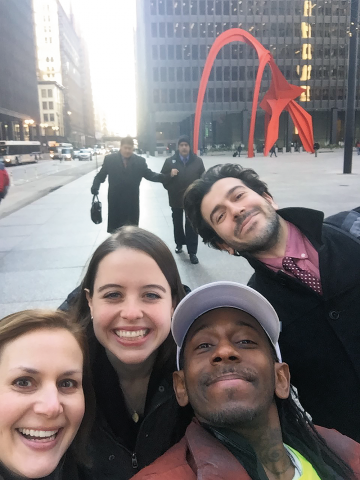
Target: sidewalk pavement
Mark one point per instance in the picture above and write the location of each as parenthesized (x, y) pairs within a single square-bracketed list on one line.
[(45, 246)]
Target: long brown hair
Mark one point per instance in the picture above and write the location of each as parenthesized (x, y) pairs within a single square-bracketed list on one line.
[(138, 239), (26, 321)]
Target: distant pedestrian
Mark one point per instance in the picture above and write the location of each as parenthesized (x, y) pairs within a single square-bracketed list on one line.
[(239, 149), (125, 171), (184, 167), (4, 181), (273, 151), (358, 147)]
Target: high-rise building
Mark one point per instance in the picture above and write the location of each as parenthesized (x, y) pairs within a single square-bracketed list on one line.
[(66, 107), (19, 104), (308, 40)]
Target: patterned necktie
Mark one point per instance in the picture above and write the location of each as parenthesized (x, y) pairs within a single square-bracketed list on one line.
[(306, 277)]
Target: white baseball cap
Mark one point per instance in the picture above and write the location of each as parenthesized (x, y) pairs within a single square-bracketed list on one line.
[(224, 294)]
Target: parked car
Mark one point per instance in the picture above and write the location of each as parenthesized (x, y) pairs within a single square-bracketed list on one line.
[(76, 153), (115, 150), (85, 154)]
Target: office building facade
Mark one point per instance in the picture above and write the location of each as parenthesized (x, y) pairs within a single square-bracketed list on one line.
[(308, 40), (19, 104)]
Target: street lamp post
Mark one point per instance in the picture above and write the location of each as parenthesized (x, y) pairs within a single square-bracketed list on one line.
[(351, 88)]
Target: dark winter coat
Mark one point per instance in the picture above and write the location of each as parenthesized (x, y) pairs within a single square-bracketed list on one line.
[(124, 183), (320, 334), (200, 455), (188, 173), (118, 452)]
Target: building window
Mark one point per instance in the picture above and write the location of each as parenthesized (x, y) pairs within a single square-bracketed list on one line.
[(194, 30), (226, 74), (154, 30), (186, 29), (186, 7), (241, 94), (154, 52), (187, 95), (187, 74), (193, 7), (179, 74), (219, 72), (194, 52), (178, 52), (155, 74), (171, 74), (170, 30), (202, 52), (43, 93), (177, 7), (195, 94), (44, 105), (162, 52), (171, 52), (210, 95), (50, 93), (226, 94), (210, 7), (186, 52), (170, 7), (210, 29), (162, 30), (52, 117), (202, 27), (156, 95), (177, 29), (172, 95), (163, 95), (219, 95), (179, 95), (161, 7), (195, 74), (46, 117), (202, 8), (234, 94), (163, 74), (51, 105), (153, 7)]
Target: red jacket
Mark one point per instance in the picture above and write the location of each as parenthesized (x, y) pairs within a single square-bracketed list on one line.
[(200, 455), (4, 179)]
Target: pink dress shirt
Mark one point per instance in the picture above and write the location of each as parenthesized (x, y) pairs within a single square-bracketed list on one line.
[(300, 249)]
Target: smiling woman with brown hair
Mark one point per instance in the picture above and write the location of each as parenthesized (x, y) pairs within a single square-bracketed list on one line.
[(44, 388)]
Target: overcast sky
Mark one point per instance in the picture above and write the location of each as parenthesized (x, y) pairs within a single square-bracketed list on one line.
[(108, 27)]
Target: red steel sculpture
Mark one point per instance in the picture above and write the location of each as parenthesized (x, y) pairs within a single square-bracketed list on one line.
[(279, 97)]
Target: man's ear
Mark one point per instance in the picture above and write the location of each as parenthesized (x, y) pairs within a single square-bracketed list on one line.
[(282, 380), (180, 388), (226, 247), (270, 200), (89, 300)]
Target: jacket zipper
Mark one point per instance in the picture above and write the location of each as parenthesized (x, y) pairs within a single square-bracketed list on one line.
[(134, 461)]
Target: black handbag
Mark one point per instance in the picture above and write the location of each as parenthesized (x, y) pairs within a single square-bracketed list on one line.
[(95, 211)]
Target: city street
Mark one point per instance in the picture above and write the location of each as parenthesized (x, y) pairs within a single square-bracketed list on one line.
[(34, 180), (45, 245)]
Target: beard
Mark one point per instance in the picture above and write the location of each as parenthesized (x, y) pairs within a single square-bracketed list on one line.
[(265, 240)]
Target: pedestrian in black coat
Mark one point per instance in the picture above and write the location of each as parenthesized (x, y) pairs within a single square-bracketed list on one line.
[(183, 168), (125, 171)]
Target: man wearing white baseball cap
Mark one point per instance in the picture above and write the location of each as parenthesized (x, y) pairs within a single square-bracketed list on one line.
[(247, 424)]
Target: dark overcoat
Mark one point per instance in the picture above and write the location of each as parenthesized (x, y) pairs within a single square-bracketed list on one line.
[(188, 173), (124, 184), (320, 334)]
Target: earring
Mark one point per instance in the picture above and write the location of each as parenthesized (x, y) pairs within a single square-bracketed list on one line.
[(92, 318)]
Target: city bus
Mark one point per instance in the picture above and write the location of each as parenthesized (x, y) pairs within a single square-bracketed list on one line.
[(61, 151), (15, 152)]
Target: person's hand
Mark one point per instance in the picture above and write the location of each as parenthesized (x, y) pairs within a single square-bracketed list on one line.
[(174, 172), (94, 191)]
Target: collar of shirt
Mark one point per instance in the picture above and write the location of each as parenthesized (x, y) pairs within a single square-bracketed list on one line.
[(184, 159), (299, 248)]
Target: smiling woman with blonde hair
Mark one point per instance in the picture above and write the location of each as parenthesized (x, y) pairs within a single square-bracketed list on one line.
[(44, 388)]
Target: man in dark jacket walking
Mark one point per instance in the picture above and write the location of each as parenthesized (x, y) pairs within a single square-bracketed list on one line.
[(125, 171), (183, 167), (309, 271)]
